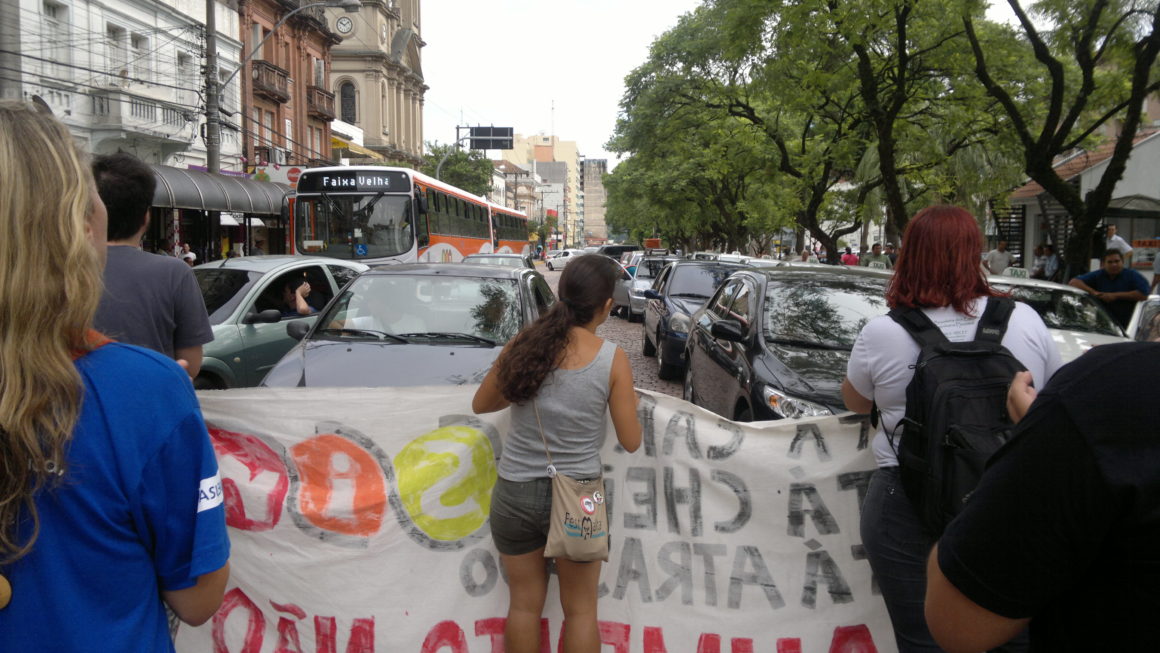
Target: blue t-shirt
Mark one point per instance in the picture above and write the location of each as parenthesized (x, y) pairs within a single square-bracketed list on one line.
[(139, 511), (1127, 280)]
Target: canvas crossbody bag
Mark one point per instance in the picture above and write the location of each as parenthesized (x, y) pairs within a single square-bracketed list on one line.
[(579, 521)]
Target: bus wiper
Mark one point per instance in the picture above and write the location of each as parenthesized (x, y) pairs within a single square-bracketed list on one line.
[(333, 205), (381, 335), (433, 335), (808, 344)]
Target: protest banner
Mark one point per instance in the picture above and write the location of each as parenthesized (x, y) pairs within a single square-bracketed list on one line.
[(359, 522)]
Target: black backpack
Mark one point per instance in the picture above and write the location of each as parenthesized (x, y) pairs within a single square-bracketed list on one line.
[(956, 411)]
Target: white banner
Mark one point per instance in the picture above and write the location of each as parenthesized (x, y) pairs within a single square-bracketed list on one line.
[(359, 523)]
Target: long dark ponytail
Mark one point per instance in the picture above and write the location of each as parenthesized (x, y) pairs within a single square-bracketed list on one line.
[(585, 286)]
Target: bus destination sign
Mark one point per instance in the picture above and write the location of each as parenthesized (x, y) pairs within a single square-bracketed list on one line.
[(354, 181)]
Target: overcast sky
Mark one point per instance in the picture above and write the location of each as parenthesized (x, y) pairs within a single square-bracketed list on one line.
[(506, 62)]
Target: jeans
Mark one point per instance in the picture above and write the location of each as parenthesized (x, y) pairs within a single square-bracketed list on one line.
[(897, 547)]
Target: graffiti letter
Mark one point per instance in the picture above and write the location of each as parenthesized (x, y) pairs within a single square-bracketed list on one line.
[(721, 453), (852, 639), (654, 640), (863, 422), (709, 643), (632, 568), (362, 636), (823, 520), (749, 556), (646, 408), (690, 495), (325, 634), (741, 645), (614, 634), (680, 573), (789, 645), (248, 461), (819, 564), (744, 501), (467, 575), (342, 489), (803, 430), (445, 634), (682, 425), (707, 552), (648, 498), (493, 629), (255, 623)]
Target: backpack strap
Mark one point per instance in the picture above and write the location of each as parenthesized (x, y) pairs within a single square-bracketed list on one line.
[(918, 325), (993, 323)]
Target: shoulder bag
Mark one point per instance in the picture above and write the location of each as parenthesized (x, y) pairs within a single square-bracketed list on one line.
[(579, 521)]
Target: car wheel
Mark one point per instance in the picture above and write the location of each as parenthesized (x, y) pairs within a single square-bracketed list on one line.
[(665, 371), (206, 382), (646, 347), (687, 392), (550, 268), (743, 414)]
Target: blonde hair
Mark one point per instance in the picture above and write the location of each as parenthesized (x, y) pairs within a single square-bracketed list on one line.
[(50, 283)]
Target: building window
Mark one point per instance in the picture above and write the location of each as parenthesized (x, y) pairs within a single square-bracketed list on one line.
[(140, 62), (319, 66), (257, 133), (56, 35), (116, 44), (347, 102)]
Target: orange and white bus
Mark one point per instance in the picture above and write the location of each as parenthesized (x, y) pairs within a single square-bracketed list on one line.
[(376, 214)]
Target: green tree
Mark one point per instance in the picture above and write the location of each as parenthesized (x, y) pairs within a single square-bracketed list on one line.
[(1098, 67), (466, 169)]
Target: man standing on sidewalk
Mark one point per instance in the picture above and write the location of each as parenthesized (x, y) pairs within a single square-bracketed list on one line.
[(149, 300)]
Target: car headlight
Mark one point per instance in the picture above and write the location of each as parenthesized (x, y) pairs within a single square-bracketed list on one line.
[(679, 323), (792, 407)]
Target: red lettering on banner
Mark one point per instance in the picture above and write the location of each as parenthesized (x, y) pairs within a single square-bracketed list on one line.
[(614, 634), (256, 623), (709, 643), (852, 639), (288, 640), (789, 645), (741, 645), (654, 640), (492, 628), (362, 636), (326, 634), (257, 458), (315, 460), (445, 634)]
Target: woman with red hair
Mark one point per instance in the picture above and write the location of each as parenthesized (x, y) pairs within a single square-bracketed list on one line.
[(939, 273)]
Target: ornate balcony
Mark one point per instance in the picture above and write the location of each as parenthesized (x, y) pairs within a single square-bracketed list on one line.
[(270, 81), (319, 103)]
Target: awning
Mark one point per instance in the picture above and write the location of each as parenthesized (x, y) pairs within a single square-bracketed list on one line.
[(193, 189), (356, 149)]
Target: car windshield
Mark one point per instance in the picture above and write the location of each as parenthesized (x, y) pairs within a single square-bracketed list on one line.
[(426, 308), (822, 310), (223, 289), (698, 280), (1063, 309), (354, 226), (1148, 328), (650, 268)]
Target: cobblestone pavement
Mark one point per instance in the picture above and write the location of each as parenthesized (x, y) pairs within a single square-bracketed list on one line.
[(628, 336)]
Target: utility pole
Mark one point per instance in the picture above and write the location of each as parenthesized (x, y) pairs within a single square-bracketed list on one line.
[(213, 138)]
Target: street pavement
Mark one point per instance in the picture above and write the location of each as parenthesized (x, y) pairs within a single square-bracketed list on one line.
[(628, 336)]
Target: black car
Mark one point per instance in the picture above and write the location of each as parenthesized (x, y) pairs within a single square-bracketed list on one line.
[(414, 324), (681, 288), (774, 342)]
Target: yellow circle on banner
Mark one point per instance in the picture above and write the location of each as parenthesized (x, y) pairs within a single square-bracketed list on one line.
[(445, 481), (5, 592)]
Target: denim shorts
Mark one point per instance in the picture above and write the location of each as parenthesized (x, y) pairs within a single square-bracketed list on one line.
[(520, 515)]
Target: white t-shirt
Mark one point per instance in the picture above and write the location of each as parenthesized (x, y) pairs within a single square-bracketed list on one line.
[(998, 261), (1119, 243), (882, 360)]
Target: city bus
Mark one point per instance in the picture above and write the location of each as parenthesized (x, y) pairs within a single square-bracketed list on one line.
[(376, 214)]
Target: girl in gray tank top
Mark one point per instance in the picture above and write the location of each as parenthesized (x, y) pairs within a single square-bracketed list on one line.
[(576, 380)]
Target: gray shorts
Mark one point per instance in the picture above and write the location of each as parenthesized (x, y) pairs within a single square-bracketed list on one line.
[(520, 512)]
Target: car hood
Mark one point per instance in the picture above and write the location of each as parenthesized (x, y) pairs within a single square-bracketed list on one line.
[(1072, 344), (329, 363), (811, 374)]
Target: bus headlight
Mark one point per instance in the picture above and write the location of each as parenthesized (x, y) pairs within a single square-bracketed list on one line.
[(792, 407)]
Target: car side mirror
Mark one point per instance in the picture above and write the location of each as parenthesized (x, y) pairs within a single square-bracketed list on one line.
[(649, 293), (297, 329), (268, 316), (728, 330)]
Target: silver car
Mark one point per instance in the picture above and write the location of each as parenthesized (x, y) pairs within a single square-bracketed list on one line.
[(645, 273)]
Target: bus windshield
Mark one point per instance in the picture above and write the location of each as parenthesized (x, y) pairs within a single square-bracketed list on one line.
[(372, 225)]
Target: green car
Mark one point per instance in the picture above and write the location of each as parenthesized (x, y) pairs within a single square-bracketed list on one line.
[(245, 301)]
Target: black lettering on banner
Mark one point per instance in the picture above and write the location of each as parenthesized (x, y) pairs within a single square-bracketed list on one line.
[(721, 453), (750, 557), (863, 422), (803, 430), (707, 553), (609, 494), (820, 566), (744, 501), (484, 559), (632, 569), (648, 520), (859, 481), (682, 425), (680, 572), (690, 496), (646, 407), (823, 520)]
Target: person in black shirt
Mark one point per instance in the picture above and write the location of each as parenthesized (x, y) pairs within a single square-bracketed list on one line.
[(1064, 529)]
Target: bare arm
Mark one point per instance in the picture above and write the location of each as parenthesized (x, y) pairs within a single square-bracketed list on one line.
[(195, 605), (300, 304), (1082, 286), (854, 400), (956, 622), (1020, 396), (622, 402), (488, 397), (192, 357)]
